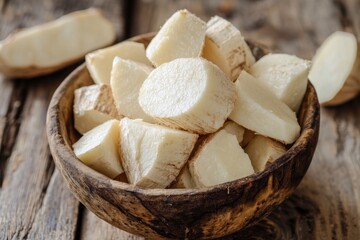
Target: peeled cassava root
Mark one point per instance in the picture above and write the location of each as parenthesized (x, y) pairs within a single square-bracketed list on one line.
[(263, 151), (54, 45), (285, 76), (226, 47), (127, 78), (93, 105), (153, 155), (98, 149), (218, 160), (335, 72), (188, 93), (99, 63), (259, 110)]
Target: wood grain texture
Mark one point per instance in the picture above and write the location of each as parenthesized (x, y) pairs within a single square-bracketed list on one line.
[(58, 215), (93, 228)]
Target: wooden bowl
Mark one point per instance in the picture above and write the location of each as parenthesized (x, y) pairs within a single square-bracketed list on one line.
[(178, 213)]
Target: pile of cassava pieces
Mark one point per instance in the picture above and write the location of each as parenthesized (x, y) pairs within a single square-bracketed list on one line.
[(192, 110)]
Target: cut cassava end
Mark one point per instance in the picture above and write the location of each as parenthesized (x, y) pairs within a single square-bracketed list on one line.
[(153, 155), (182, 36), (127, 78), (234, 129), (284, 75), (99, 63), (260, 111), (263, 150), (93, 105), (226, 47), (218, 160), (54, 45), (191, 94), (98, 149), (335, 71)]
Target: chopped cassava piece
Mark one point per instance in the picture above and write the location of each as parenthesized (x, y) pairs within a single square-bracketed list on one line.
[(219, 159), (226, 47), (153, 155), (127, 78), (93, 105), (191, 94), (285, 76), (98, 149), (48, 47), (259, 110), (182, 36), (99, 63), (263, 150), (336, 69)]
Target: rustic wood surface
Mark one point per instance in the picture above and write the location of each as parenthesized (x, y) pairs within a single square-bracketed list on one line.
[(35, 203)]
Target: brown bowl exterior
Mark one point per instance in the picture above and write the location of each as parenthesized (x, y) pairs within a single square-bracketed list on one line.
[(178, 213)]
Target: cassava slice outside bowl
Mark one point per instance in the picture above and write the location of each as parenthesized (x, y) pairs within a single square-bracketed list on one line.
[(178, 213)]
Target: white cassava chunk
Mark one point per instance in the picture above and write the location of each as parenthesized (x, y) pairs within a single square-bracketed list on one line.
[(98, 149), (234, 129), (127, 78), (184, 180), (99, 63), (226, 47), (46, 48), (153, 155), (218, 160), (263, 150), (259, 110), (182, 36), (335, 72), (285, 76), (93, 105), (188, 93)]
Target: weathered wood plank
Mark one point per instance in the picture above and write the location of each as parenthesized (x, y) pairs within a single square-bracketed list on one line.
[(94, 228), (325, 206), (58, 216), (29, 167)]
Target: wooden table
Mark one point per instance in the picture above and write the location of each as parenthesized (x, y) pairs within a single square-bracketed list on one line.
[(36, 204)]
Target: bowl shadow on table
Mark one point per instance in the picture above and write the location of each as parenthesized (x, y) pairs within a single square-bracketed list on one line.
[(293, 219), (192, 213)]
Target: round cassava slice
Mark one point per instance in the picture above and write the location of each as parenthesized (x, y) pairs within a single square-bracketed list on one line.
[(191, 94), (335, 72)]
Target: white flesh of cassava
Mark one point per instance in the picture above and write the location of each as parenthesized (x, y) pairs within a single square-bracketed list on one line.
[(153, 155), (260, 111), (98, 149), (218, 160), (99, 63), (192, 94), (182, 36)]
